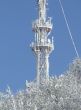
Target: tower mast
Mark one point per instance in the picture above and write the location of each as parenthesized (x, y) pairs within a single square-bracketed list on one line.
[(42, 46)]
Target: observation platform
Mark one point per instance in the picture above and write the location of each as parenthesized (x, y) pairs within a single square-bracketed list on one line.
[(40, 46), (40, 25)]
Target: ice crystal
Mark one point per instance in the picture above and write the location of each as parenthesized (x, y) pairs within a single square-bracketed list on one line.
[(61, 93)]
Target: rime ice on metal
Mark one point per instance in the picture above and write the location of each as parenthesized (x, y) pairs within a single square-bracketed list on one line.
[(42, 46)]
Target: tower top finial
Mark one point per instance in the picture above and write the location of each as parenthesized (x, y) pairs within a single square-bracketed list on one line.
[(42, 9)]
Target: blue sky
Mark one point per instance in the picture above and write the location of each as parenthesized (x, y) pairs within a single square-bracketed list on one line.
[(17, 61)]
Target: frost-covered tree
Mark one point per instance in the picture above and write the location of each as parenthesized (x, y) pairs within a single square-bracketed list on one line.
[(61, 93)]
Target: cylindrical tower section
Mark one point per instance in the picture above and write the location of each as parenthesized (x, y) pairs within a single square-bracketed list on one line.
[(42, 9), (47, 67), (38, 68)]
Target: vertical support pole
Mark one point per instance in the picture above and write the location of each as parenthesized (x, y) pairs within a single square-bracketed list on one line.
[(47, 67), (38, 67)]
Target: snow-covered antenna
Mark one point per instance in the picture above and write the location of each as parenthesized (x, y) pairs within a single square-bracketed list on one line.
[(42, 46)]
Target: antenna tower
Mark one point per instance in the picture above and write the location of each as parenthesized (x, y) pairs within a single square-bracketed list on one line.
[(42, 46)]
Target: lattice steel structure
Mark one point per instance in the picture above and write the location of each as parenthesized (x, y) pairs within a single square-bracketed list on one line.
[(42, 46)]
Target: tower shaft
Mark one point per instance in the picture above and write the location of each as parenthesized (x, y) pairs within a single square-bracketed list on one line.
[(42, 46), (42, 9)]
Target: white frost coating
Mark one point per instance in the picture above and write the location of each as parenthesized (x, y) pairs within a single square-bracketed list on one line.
[(42, 46), (61, 93)]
